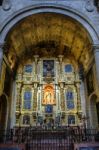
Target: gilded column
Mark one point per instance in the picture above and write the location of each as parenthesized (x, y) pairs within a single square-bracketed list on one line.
[(62, 101), (61, 83), (35, 84), (36, 65), (39, 98), (35, 96), (57, 97)]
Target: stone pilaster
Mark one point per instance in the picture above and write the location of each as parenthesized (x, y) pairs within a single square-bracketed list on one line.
[(82, 96), (1, 56), (96, 55), (35, 96)]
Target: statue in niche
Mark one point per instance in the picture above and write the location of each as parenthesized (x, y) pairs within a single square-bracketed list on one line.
[(71, 119), (48, 95), (70, 99), (69, 95), (26, 119)]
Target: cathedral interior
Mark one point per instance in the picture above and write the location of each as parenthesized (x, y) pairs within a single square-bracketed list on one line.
[(48, 73)]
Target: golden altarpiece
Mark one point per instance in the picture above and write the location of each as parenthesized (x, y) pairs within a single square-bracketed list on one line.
[(47, 89)]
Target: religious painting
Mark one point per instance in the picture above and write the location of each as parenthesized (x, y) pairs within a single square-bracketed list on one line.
[(48, 95), (27, 99), (70, 99), (68, 68), (26, 119), (89, 80), (28, 68), (48, 109), (71, 119), (48, 68), (40, 119)]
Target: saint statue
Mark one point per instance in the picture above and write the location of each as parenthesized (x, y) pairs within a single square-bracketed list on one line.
[(48, 97)]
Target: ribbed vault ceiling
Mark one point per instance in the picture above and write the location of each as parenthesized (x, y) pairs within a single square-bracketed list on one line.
[(48, 35)]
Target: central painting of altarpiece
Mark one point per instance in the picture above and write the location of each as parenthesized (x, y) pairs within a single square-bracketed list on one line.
[(48, 73), (47, 89)]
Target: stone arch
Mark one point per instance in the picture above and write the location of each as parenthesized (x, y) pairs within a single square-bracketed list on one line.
[(93, 116), (3, 111), (67, 11)]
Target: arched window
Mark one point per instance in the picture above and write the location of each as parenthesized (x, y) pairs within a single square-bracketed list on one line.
[(27, 99), (68, 68), (70, 99)]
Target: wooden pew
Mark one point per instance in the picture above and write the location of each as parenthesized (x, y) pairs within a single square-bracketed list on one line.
[(12, 147), (87, 145)]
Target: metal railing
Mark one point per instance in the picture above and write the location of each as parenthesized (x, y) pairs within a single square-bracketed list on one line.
[(41, 139)]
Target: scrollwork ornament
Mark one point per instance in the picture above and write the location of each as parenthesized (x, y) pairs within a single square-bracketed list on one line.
[(6, 5), (89, 6)]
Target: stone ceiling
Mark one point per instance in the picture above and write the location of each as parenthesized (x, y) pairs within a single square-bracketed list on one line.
[(48, 35)]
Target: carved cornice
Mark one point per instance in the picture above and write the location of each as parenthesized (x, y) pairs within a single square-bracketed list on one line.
[(60, 57)]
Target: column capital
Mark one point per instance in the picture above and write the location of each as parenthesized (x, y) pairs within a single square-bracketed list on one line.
[(36, 57), (60, 57)]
